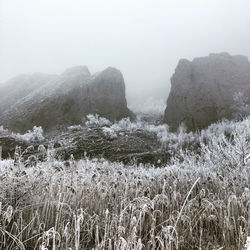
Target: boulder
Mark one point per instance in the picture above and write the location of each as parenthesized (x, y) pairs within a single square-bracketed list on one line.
[(58, 101), (203, 90)]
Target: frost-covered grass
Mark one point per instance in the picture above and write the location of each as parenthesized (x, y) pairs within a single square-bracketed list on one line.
[(91, 204), (247, 246), (198, 201)]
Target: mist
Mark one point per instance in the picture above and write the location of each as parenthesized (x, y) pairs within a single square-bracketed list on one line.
[(144, 38), (100, 151)]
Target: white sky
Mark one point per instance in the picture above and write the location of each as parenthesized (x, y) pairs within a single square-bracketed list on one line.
[(143, 38)]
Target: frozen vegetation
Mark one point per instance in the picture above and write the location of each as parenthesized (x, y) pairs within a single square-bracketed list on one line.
[(199, 200), (167, 140), (34, 135)]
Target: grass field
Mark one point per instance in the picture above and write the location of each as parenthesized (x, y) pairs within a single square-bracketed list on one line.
[(197, 201)]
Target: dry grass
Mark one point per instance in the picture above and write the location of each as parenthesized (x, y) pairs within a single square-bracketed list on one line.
[(93, 204), (199, 201)]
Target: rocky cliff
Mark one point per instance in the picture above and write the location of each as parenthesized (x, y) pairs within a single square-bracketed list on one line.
[(203, 90), (57, 101)]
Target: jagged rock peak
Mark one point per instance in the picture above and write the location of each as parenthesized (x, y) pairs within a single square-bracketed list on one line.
[(111, 75), (65, 100), (227, 56), (202, 90), (77, 71), (112, 71)]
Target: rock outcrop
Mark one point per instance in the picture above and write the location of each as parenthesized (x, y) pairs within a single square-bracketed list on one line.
[(53, 101), (203, 90)]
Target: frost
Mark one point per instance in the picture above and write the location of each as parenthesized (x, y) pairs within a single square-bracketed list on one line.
[(35, 135), (169, 140), (96, 121), (109, 132), (3, 130), (248, 243), (32, 136)]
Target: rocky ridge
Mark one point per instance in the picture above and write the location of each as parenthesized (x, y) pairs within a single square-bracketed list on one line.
[(203, 90), (58, 101)]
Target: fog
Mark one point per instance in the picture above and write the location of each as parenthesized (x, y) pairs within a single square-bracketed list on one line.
[(143, 38)]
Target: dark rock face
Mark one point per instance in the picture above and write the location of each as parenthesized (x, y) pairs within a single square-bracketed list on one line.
[(53, 101), (202, 91)]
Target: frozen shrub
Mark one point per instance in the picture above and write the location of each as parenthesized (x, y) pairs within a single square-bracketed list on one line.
[(35, 135), (241, 106), (96, 121), (126, 125), (4, 131), (216, 135), (162, 131), (109, 132), (169, 140)]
